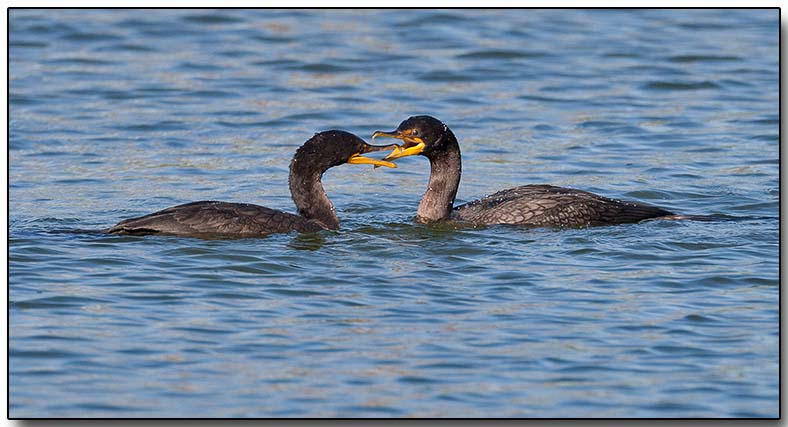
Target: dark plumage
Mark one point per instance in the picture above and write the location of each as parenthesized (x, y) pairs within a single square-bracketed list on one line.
[(224, 219), (530, 205), (551, 206)]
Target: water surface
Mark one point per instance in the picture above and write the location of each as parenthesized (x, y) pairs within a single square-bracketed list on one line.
[(119, 113)]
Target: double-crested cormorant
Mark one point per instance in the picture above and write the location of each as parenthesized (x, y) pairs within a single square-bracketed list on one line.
[(315, 212), (532, 205)]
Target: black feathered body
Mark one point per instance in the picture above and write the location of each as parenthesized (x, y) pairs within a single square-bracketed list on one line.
[(527, 205), (551, 206), (208, 218)]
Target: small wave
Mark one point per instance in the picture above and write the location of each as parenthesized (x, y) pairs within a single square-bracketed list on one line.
[(273, 39), (549, 99), (91, 37), (667, 86), (212, 19), (128, 47), (198, 66), (81, 61), (56, 302), (501, 54), (702, 58), (158, 126), (212, 94), (447, 76), (27, 44), (319, 68)]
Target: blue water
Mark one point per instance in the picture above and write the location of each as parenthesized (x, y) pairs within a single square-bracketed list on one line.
[(119, 113)]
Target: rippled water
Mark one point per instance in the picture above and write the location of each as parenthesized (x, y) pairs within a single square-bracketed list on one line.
[(119, 113)]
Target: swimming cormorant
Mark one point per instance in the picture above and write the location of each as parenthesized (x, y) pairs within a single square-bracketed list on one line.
[(532, 205), (315, 212)]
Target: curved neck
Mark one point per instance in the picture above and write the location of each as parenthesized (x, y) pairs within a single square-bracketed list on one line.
[(311, 199), (445, 171)]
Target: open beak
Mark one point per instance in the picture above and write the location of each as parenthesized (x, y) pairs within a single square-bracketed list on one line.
[(358, 159), (412, 146)]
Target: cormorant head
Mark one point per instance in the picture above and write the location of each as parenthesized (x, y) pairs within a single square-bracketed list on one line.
[(421, 135), (333, 148)]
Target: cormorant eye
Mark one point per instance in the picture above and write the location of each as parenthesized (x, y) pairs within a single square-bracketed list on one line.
[(415, 132)]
